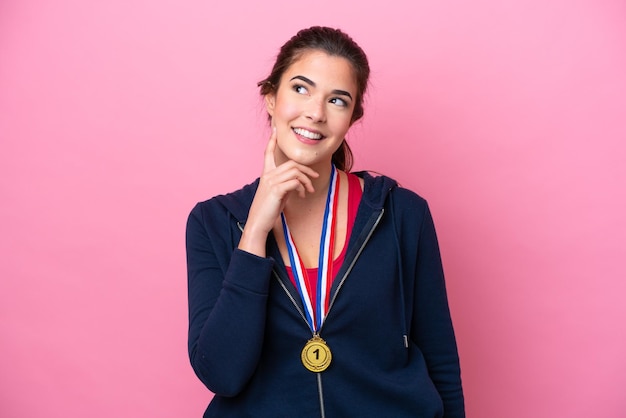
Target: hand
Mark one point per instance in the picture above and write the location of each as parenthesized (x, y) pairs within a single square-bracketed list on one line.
[(275, 186)]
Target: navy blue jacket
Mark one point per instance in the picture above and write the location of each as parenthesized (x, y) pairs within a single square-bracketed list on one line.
[(389, 327)]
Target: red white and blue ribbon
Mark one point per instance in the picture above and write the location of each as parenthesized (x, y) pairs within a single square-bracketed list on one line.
[(316, 310)]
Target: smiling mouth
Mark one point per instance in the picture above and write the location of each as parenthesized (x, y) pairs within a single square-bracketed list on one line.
[(308, 134)]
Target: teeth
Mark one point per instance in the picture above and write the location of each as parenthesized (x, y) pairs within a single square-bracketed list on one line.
[(307, 134)]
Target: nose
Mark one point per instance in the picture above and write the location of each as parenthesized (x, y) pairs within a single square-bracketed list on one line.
[(315, 110)]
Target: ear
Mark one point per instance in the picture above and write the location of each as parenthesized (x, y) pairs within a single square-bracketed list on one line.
[(270, 102)]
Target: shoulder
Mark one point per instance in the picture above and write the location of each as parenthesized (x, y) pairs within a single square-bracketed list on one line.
[(236, 203), (407, 197), (381, 190)]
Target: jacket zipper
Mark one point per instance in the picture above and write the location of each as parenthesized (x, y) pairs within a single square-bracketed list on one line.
[(349, 269), (321, 395), (280, 281)]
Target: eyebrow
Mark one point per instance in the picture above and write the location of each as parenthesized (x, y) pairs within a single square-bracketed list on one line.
[(312, 83)]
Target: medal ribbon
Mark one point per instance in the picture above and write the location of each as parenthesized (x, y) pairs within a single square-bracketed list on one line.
[(315, 317)]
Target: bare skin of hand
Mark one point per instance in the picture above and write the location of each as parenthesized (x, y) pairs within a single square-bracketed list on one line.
[(275, 186)]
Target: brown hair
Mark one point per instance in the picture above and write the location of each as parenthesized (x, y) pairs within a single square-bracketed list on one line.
[(334, 42)]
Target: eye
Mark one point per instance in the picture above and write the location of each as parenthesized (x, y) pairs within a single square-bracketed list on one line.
[(339, 102), (300, 89)]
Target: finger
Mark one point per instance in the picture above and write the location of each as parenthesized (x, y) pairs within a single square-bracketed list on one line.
[(296, 172), (270, 162), (293, 185), (301, 191), (291, 165)]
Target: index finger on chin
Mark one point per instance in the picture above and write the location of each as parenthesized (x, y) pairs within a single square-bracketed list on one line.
[(270, 163)]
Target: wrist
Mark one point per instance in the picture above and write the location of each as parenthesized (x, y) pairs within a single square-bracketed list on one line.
[(253, 240)]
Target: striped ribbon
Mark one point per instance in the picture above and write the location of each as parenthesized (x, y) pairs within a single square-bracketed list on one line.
[(315, 311)]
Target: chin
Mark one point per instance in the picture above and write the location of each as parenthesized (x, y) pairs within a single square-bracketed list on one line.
[(302, 156), (308, 160)]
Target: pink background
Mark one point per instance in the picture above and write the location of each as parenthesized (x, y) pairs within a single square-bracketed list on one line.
[(117, 116)]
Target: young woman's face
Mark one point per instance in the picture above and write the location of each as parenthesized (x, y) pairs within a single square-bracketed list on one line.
[(312, 108)]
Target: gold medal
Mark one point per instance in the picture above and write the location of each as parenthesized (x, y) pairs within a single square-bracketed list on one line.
[(316, 355)]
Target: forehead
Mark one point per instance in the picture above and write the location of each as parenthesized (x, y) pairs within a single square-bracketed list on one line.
[(326, 71)]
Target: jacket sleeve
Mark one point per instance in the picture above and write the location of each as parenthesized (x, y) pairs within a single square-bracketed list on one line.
[(227, 304), (432, 327)]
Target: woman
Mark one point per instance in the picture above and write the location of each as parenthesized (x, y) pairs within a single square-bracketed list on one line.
[(313, 291)]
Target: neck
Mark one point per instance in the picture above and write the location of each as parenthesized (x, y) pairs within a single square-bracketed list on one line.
[(322, 183)]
